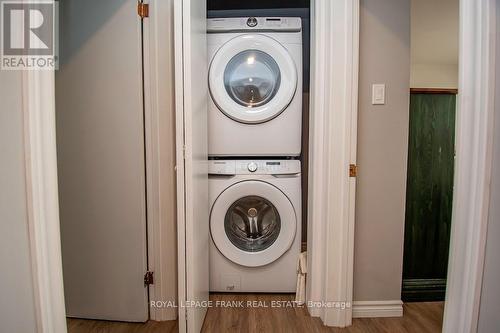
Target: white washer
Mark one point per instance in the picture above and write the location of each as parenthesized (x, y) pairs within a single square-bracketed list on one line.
[(255, 83), (254, 224)]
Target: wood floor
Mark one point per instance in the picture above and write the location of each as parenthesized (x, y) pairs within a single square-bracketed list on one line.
[(418, 317), (101, 326)]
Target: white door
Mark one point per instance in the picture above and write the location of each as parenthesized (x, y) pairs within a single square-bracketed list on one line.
[(100, 141), (192, 172)]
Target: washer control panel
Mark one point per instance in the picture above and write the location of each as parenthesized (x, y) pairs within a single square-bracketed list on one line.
[(258, 167), (237, 24)]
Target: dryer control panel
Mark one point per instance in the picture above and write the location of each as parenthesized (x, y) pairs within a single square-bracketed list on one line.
[(258, 167)]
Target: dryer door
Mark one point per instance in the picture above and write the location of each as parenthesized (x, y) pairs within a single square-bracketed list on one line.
[(253, 223), (252, 78)]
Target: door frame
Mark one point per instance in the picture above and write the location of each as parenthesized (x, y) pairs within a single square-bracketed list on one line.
[(191, 94), (473, 168), (180, 151), (42, 200), (160, 137), (474, 152), (332, 149)]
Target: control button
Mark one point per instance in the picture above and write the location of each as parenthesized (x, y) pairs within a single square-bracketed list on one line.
[(252, 167), (252, 22)]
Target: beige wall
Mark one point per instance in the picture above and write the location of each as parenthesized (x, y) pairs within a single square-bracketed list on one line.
[(434, 76), (17, 312), (434, 44), (489, 309), (382, 150)]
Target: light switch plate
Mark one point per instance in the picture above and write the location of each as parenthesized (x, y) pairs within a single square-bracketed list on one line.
[(378, 94)]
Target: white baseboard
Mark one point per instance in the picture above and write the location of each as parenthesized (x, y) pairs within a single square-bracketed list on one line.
[(373, 309)]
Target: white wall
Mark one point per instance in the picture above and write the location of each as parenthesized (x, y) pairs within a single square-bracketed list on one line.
[(434, 44), (17, 312), (489, 310), (382, 150)]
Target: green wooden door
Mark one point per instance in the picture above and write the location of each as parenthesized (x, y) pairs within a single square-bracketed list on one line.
[(428, 195)]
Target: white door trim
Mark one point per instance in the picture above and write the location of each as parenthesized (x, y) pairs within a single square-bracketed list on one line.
[(160, 156), (42, 199), (180, 165), (191, 98), (474, 129), (333, 123)]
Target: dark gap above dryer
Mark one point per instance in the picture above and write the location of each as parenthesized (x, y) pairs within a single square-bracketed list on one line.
[(255, 4)]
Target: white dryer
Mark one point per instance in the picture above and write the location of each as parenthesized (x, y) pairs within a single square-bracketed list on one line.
[(255, 84), (255, 225)]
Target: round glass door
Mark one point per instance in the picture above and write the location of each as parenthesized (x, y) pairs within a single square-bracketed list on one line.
[(252, 223), (252, 78)]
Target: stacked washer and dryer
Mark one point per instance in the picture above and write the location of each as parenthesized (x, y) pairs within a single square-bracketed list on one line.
[(255, 125)]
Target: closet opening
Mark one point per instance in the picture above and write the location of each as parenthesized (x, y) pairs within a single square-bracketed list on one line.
[(258, 56)]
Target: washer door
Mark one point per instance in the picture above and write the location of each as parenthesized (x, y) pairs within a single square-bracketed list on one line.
[(252, 78), (253, 223)]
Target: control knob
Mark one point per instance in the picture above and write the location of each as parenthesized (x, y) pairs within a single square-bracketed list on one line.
[(252, 22), (252, 166)]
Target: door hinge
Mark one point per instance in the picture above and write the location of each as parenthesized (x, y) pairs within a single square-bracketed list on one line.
[(143, 9), (353, 170), (148, 278)]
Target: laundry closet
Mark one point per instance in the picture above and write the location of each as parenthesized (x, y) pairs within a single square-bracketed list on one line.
[(130, 145), (254, 147)]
